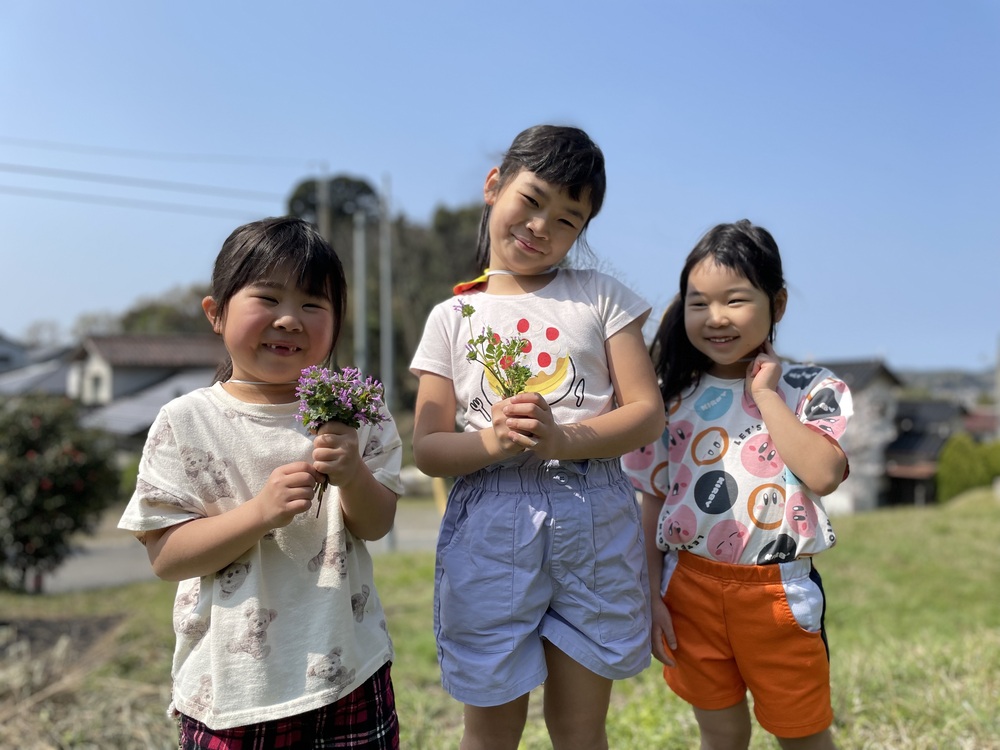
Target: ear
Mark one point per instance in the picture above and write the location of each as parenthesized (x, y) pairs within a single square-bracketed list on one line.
[(780, 303), (212, 313), (492, 187)]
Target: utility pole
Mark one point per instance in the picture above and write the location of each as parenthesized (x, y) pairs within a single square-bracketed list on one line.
[(323, 222), (360, 293), (386, 334)]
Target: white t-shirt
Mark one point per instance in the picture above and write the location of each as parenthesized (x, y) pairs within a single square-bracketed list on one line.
[(295, 623), (566, 324), (728, 496)]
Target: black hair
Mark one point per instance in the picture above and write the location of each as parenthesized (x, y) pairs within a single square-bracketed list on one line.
[(256, 250), (747, 249), (560, 155)]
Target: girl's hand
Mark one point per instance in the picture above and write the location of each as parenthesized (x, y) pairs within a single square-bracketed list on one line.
[(510, 443), (336, 454), (529, 419), (661, 637), (764, 370), (287, 492)]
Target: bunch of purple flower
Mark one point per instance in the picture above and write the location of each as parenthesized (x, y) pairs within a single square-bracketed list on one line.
[(344, 397)]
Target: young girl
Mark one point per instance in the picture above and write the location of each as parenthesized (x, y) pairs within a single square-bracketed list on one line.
[(281, 637), (540, 569), (732, 494)]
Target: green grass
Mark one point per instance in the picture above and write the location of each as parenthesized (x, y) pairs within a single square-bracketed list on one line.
[(913, 621)]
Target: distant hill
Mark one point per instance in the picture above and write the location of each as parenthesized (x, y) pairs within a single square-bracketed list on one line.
[(953, 385)]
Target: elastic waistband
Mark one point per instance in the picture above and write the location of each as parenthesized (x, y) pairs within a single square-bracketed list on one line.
[(786, 571), (544, 476)]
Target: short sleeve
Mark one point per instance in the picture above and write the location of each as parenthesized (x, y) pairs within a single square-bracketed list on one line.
[(827, 406), (383, 452)]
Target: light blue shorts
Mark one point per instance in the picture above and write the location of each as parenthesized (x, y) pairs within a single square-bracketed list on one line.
[(549, 551)]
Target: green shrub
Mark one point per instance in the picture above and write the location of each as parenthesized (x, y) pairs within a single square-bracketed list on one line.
[(56, 478)]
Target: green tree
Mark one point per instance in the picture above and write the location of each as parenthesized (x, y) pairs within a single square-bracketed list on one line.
[(962, 465), (176, 311), (56, 479)]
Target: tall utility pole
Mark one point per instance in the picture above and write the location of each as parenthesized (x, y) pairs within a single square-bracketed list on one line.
[(323, 222), (386, 364), (360, 293)]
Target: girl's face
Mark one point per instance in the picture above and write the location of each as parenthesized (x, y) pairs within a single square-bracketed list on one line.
[(533, 223), (726, 317), (273, 330)]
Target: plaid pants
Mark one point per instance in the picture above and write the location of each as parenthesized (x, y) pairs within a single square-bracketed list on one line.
[(366, 718)]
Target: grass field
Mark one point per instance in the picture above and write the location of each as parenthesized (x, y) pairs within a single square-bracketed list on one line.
[(913, 621)]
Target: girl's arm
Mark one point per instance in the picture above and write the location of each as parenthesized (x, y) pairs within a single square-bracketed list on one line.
[(369, 507), (440, 451), (662, 625), (638, 419), (818, 461), (205, 546)]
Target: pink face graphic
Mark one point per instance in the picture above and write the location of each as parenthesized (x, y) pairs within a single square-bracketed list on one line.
[(726, 540), (679, 487), (832, 426), (678, 436), (760, 458), (766, 506), (680, 526), (639, 459), (800, 513), (710, 446)]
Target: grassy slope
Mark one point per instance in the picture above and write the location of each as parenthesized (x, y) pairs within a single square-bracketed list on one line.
[(914, 626)]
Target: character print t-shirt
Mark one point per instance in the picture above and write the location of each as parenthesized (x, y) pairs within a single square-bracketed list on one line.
[(727, 494), (295, 622), (566, 325)]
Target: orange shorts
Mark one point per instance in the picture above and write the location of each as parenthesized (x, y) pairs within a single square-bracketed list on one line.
[(756, 627)]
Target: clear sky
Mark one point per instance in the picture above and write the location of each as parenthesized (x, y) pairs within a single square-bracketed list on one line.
[(865, 135)]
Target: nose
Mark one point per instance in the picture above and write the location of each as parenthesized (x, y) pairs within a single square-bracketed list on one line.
[(287, 320), (538, 224), (718, 316)]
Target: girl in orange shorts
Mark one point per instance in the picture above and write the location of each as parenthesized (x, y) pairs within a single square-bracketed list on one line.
[(732, 500)]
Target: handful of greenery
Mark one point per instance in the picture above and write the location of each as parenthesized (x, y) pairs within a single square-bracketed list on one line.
[(501, 357), (344, 397)]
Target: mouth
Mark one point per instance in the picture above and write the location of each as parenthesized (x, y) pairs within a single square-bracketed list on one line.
[(282, 348), (720, 339)]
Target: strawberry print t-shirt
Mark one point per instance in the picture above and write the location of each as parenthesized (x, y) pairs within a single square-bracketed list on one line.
[(727, 494), (566, 324)]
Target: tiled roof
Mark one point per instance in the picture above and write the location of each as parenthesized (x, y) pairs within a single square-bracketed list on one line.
[(858, 374), (147, 350), (132, 415)]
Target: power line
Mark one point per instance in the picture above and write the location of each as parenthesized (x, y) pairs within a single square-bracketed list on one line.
[(156, 155), (127, 202), (181, 187)]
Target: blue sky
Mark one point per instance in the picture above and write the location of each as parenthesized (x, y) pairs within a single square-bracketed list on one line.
[(864, 135)]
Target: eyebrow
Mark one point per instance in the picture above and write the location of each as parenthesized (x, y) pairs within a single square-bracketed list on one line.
[(542, 193)]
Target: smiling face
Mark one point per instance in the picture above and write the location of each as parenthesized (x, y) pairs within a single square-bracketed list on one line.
[(533, 223), (726, 317), (273, 330)]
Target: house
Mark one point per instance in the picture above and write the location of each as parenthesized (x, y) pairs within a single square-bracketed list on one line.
[(108, 368), (923, 427), (872, 428), (12, 354), (41, 371)]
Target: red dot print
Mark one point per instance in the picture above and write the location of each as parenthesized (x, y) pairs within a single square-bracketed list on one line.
[(544, 359), (527, 347), (551, 333), (522, 325)]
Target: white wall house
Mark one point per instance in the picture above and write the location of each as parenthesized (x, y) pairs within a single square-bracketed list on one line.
[(874, 392)]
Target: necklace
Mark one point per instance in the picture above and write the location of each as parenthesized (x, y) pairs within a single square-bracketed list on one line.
[(260, 382)]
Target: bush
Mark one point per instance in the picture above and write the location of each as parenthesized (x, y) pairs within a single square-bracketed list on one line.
[(56, 479), (965, 464)]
